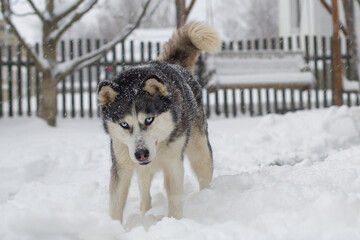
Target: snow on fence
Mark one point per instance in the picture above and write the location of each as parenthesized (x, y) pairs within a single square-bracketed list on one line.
[(20, 81)]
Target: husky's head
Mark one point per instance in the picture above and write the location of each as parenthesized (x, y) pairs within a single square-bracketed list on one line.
[(137, 113)]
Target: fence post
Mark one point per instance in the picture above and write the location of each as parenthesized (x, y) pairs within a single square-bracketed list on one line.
[(260, 112), (317, 104), (231, 46), (256, 44), (281, 43), (268, 109), (273, 43), (265, 44), (97, 46), (19, 80), (348, 69), (28, 83), (226, 108), (234, 102), (217, 108), (142, 51), (290, 43), (113, 62), (298, 43), (88, 50), (292, 94), (37, 82), (276, 106), (63, 81), (248, 45), (324, 70), (123, 54), (158, 49), (240, 45), (1, 87), (72, 81), (132, 52), (242, 101), (149, 51), (223, 46), (307, 60), (10, 84), (251, 102)]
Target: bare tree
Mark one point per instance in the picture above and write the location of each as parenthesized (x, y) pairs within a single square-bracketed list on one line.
[(54, 25), (182, 12)]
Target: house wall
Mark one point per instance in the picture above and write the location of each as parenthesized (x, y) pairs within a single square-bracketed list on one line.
[(314, 21)]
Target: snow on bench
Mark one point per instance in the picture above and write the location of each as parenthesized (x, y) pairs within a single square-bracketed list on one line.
[(259, 69), (350, 85)]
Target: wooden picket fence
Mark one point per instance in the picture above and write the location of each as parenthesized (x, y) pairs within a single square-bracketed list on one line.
[(20, 80)]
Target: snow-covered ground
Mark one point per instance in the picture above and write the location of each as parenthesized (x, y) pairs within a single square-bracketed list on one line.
[(295, 176)]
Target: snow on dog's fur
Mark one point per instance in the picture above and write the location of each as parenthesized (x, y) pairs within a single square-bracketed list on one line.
[(154, 115)]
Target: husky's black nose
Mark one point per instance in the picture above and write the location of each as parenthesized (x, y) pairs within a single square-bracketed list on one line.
[(142, 155)]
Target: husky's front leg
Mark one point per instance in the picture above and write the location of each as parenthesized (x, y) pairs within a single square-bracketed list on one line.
[(121, 175), (174, 177), (119, 188), (144, 178)]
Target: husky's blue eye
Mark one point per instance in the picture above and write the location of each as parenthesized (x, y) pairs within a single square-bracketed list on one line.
[(124, 125), (149, 120)]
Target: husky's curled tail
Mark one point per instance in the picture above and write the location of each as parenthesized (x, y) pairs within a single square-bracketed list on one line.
[(187, 42)]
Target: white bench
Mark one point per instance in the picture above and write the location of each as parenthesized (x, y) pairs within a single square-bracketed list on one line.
[(259, 69)]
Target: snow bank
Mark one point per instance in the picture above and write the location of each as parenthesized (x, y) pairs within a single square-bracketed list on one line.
[(295, 176)]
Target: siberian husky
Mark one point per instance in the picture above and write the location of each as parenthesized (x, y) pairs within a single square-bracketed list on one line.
[(154, 115)]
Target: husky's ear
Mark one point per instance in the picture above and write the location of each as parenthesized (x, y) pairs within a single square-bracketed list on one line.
[(154, 87), (106, 92)]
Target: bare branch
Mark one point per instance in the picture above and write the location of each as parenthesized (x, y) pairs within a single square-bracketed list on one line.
[(154, 9), (68, 11), (71, 66), (188, 9), (7, 17), (22, 14), (59, 32), (36, 10), (50, 7), (328, 8)]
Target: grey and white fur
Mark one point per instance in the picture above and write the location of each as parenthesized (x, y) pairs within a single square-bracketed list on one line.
[(154, 115)]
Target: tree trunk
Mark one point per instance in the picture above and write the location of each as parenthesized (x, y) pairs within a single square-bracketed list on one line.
[(349, 17), (337, 65), (180, 8), (48, 107), (182, 12)]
